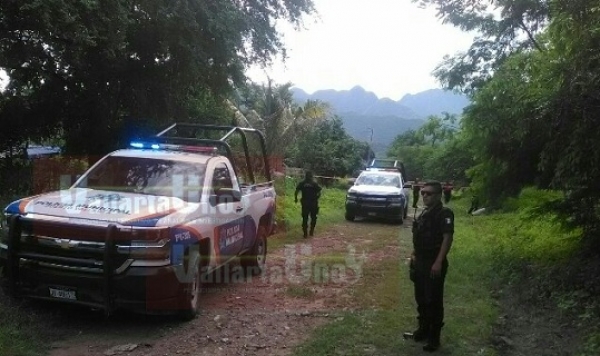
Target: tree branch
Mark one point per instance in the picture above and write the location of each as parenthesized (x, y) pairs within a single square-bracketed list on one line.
[(530, 36)]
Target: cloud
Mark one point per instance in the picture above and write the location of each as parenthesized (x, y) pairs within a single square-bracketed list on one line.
[(389, 47)]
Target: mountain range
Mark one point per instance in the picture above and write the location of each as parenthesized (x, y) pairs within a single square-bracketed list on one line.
[(377, 120)]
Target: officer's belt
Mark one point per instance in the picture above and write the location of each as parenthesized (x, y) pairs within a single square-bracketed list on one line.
[(427, 252)]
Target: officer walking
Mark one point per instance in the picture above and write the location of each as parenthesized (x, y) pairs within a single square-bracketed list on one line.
[(433, 233), (311, 192), (416, 188)]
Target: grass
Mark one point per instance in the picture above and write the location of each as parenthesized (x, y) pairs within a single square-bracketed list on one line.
[(387, 307), (487, 254), (289, 217), (299, 291), (20, 330), (488, 251), (22, 333)]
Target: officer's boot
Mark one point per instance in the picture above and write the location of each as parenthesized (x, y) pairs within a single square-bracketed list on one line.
[(433, 341), (312, 228), (422, 333), (304, 230)]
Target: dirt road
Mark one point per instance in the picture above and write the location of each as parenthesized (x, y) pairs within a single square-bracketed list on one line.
[(305, 284)]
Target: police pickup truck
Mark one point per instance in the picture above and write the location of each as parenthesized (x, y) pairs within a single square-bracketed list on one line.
[(378, 193), (144, 225)]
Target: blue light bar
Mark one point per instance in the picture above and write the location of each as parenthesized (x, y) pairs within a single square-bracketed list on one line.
[(154, 146)]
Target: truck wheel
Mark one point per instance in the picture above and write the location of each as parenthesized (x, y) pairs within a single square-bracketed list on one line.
[(193, 288), (349, 216), (253, 262), (402, 216)]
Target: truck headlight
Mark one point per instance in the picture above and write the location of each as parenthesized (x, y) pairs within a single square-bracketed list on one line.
[(152, 244), (395, 201), (351, 197)]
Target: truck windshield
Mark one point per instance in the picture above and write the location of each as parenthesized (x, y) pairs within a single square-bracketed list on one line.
[(379, 179), (147, 176)]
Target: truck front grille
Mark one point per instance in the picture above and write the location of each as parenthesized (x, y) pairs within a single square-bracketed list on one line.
[(375, 201), (68, 247)]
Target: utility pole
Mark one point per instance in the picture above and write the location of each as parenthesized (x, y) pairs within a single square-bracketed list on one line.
[(370, 146)]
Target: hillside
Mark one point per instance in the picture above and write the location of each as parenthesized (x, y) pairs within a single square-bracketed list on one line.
[(435, 102), (362, 111), (385, 128), (358, 101)]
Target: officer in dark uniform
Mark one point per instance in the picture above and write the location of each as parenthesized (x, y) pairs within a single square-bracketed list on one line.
[(433, 232), (311, 192), (416, 188)]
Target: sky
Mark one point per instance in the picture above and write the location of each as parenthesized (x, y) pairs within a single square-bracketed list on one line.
[(388, 47)]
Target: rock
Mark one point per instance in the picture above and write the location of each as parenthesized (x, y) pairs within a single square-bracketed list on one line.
[(506, 341), (257, 347), (119, 349)]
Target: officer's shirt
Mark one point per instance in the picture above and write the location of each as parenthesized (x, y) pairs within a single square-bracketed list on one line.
[(310, 191), (430, 227)]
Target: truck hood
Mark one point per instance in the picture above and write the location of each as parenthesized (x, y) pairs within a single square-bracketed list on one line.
[(99, 205), (375, 190)]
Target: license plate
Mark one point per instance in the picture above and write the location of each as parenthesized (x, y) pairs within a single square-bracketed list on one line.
[(372, 214), (63, 293)]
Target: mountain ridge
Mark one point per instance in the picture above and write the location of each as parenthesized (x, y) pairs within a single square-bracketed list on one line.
[(364, 113)]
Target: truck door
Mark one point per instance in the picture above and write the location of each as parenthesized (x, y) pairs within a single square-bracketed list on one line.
[(229, 218)]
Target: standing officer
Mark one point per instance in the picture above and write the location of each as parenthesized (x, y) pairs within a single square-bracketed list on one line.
[(432, 238), (447, 192), (311, 192), (416, 188)]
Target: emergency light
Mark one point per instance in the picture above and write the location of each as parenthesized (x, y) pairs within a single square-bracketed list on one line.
[(168, 146), (377, 169)]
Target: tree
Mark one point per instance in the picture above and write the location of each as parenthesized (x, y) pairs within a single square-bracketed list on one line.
[(507, 126), (83, 66), (504, 27), (273, 110), (328, 150), (424, 149)]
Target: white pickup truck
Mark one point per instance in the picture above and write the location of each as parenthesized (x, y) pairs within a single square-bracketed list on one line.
[(143, 226), (378, 193)]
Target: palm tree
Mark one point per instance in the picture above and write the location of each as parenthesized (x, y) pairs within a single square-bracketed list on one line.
[(272, 110)]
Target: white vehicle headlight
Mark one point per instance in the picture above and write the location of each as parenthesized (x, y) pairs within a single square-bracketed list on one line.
[(147, 250), (155, 246), (395, 200)]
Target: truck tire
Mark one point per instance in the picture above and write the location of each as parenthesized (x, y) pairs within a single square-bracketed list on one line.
[(400, 220), (253, 262), (193, 288), (349, 216)]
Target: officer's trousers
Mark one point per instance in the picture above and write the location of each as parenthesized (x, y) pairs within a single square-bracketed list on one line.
[(415, 199), (429, 292), (309, 209)]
